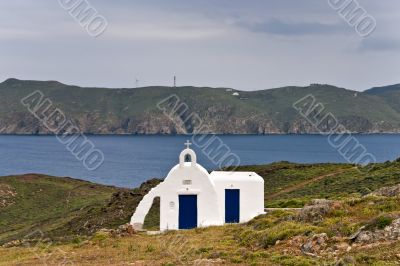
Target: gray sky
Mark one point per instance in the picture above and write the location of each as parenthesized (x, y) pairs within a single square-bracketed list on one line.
[(247, 44)]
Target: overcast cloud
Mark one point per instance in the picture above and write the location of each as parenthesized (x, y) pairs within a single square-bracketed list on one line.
[(247, 44)]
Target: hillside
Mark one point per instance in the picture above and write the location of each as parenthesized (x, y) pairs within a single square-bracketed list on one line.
[(62, 208), (134, 111), (81, 220), (390, 94)]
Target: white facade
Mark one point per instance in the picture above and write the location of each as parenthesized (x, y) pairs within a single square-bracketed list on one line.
[(251, 187), (202, 196)]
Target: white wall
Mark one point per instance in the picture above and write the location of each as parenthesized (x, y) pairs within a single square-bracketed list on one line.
[(251, 194), (172, 187)]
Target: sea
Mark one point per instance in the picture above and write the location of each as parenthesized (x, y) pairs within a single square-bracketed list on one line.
[(130, 160)]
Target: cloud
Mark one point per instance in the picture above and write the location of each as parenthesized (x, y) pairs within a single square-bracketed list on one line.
[(379, 44), (148, 33), (224, 43), (280, 27), (12, 34)]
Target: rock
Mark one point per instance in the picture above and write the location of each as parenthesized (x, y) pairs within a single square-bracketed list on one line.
[(208, 261), (126, 228), (13, 243), (296, 241), (321, 238), (315, 245), (316, 210), (390, 232), (356, 234), (342, 246), (308, 247), (387, 191), (365, 237), (7, 195), (107, 231)]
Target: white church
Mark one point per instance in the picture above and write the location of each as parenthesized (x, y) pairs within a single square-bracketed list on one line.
[(190, 197)]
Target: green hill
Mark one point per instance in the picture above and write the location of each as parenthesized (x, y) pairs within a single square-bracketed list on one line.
[(64, 207), (134, 111), (73, 221), (389, 94)]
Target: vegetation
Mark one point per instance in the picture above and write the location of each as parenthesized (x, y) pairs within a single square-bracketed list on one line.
[(390, 94), (272, 239), (69, 214), (294, 185), (63, 208), (134, 111)]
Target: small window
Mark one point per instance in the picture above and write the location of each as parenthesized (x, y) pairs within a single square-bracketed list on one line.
[(188, 158), (187, 182)]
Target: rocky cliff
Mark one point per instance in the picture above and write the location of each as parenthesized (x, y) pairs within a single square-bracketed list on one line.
[(183, 110)]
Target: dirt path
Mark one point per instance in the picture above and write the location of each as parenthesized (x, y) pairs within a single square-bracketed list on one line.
[(305, 183)]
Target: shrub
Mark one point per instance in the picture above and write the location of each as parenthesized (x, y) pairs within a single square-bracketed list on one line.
[(100, 236), (364, 191), (379, 222), (77, 240), (278, 230), (383, 221), (285, 231)]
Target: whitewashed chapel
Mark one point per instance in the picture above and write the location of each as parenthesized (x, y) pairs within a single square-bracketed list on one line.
[(190, 197)]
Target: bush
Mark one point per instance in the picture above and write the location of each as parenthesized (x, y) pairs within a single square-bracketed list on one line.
[(379, 222), (364, 191), (284, 231), (100, 236), (383, 221), (269, 236)]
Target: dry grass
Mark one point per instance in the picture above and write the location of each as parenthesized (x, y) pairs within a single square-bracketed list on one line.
[(273, 239), (267, 240)]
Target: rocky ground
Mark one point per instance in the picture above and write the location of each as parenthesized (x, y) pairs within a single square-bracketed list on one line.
[(353, 231), (7, 195), (346, 216)]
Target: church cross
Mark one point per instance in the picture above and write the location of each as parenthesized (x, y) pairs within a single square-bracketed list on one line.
[(188, 144)]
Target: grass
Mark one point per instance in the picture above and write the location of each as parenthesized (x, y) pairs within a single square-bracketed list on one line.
[(339, 181), (69, 214), (64, 207), (254, 243), (46, 203)]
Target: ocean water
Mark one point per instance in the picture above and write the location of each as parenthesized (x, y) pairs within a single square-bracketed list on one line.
[(130, 160)]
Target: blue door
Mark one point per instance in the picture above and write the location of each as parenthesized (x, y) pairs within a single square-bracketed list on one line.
[(232, 205), (187, 211)]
